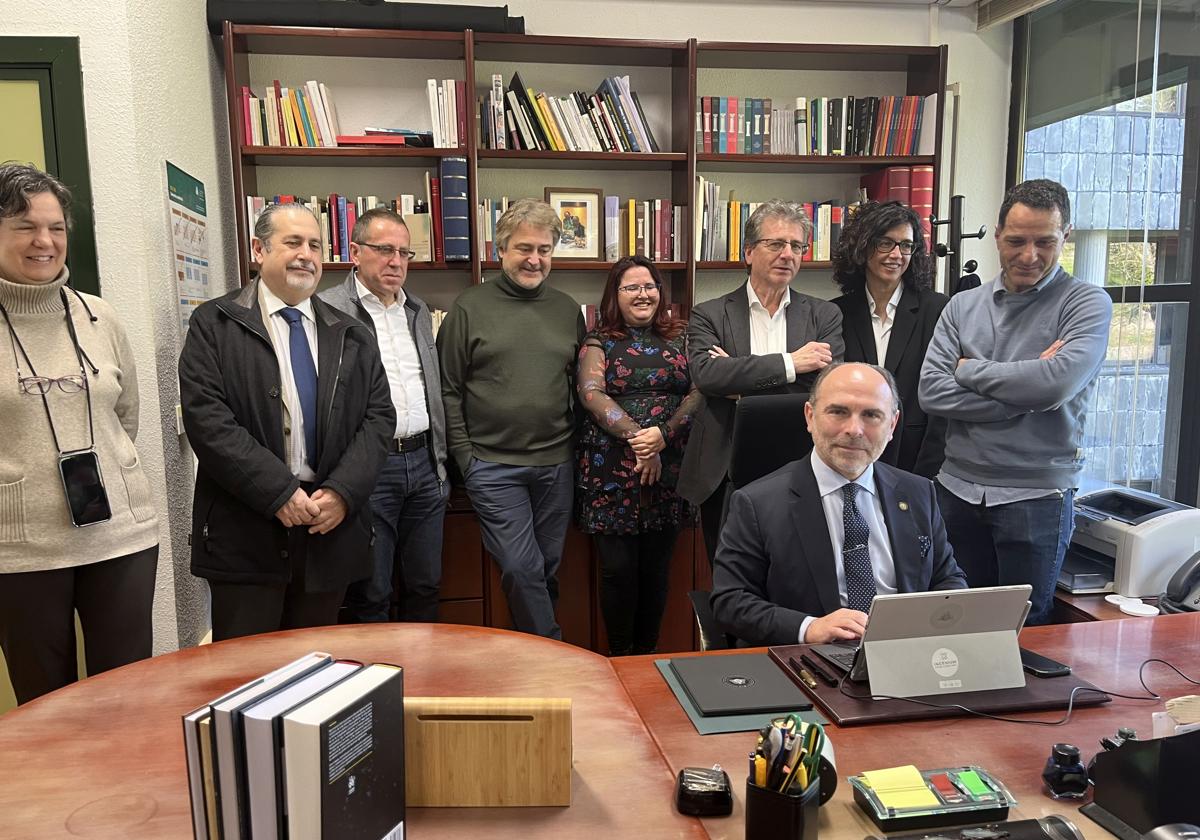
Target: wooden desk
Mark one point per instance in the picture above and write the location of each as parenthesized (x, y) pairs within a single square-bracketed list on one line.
[(1069, 608), (1107, 653), (104, 757)]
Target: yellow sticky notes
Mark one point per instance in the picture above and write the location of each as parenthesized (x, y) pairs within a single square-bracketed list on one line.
[(901, 787)]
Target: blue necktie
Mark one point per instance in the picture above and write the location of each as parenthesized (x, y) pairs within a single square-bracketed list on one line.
[(856, 554), (304, 374)]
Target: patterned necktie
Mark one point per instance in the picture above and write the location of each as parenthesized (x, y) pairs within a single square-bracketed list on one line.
[(304, 374), (856, 554)]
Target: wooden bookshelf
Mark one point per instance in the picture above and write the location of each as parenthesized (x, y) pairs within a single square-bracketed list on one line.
[(589, 265), (910, 69), (345, 155)]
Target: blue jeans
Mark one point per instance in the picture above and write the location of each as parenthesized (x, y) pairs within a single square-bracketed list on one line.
[(408, 506), (523, 514), (1020, 542)]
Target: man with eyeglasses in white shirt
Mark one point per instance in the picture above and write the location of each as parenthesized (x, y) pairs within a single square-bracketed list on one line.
[(409, 502), (761, 338)]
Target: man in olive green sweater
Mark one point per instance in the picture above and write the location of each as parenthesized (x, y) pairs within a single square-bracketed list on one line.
[(508, 350)]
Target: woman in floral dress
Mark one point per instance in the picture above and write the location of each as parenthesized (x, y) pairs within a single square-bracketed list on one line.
[(633, 380)]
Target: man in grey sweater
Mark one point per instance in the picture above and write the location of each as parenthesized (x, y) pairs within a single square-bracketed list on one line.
[(1012, 366), (508, 350)]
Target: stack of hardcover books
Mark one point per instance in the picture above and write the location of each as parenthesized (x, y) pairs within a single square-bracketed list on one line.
[(311, 751)]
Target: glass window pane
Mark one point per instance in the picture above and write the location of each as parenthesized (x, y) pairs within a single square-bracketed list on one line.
[(1129, 429)]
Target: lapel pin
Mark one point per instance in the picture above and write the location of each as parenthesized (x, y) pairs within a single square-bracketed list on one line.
[(904, 506)]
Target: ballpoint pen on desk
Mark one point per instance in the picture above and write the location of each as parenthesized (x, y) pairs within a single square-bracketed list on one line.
[(805, 677)]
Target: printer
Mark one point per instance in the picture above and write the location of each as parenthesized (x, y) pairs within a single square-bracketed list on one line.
[(1127, 541)]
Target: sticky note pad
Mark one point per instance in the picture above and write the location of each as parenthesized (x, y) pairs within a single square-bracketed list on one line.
[(974, 785), (901, 787)]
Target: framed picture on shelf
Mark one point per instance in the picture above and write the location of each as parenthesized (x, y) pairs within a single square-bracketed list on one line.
[(581, 212)]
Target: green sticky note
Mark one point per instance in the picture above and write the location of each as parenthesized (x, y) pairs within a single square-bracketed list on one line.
[(975, 785)]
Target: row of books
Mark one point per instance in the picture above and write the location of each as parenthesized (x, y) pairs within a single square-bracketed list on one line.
[(847, 125), (911, 185), (311, 751), (609, 120), (296, 116), (646, 227), (447, 112), (720, 225), (438, 225)]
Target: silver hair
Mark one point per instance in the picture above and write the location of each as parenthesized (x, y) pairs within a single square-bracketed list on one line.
[(527, 211), (264, 227), (787, 211)]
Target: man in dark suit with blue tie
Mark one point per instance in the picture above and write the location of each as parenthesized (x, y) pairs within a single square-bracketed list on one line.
[(287, 407), (806, 549)]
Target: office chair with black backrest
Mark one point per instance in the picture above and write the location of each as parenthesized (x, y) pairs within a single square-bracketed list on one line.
[(768, 432)]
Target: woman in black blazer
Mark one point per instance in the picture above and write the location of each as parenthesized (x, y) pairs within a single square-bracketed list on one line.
[(883, 267)]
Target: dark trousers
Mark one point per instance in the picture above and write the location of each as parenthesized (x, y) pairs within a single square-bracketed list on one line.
[(523, 514), (408, 506), (634, 571), (1021, 542), (246, 609), (37, 624), (712, 518)]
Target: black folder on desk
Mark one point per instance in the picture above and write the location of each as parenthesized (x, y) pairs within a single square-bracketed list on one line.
[(740, 683), (1037, 695)]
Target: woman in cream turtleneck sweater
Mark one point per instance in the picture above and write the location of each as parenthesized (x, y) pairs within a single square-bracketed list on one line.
[(55, 340)]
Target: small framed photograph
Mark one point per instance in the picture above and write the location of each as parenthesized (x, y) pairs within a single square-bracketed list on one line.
[(581, 212)]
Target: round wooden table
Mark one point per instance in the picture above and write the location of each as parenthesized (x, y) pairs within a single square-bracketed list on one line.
[(104, 757)]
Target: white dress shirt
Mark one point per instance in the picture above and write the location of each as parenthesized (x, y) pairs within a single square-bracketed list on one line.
[(829, 483), (400, 360), (293, 414), (768, 333), (882, 327)]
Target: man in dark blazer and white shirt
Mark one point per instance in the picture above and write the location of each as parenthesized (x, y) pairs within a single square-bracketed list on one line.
[(805, 549), (761, 338)]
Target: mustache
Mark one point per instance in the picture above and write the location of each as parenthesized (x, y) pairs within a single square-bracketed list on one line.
[(305, 265)]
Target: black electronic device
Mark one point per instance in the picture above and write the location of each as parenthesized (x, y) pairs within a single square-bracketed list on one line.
[(1183, 590), (87, 500), (704, 792), (1042, 666)]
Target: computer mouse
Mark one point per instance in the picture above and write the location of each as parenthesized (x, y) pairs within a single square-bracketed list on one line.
[(1173, 831)]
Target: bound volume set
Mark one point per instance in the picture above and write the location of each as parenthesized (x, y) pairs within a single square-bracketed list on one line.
[(311, 751), (844, 125), (439, 225)]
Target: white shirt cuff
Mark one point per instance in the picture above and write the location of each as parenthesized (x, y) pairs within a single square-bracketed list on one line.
[(789, 367), (804, 627)]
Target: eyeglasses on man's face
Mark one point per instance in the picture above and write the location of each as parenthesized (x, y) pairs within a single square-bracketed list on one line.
[(884, 245), (389, 251), (637, 289), (776, 246), (72, 384)]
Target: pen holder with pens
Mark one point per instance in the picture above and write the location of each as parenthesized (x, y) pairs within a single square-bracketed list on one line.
[(783, 816)]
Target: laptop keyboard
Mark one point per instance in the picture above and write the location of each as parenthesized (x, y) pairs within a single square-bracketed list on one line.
[(844, 660)]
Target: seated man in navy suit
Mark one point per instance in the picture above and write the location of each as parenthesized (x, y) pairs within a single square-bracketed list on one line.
[(806, 548)]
